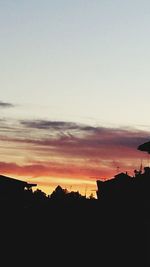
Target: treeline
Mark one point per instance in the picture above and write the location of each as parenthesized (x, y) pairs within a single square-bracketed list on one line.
[(59, 194)]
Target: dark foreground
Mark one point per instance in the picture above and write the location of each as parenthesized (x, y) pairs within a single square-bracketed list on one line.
[(76, 233)]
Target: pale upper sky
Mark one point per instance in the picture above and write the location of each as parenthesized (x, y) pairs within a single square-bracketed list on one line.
[(76, 60)]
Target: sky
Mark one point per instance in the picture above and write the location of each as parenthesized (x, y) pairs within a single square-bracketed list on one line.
[(74, 83)]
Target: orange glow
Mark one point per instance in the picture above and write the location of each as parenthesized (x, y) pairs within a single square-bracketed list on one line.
[(73, 156)]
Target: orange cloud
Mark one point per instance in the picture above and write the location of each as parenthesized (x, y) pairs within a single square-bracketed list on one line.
[(62, 149), (53, 169)]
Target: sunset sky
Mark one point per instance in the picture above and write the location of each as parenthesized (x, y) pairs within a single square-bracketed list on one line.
[(75, 90)]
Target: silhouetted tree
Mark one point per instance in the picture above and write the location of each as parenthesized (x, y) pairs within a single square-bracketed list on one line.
[(40, 195), (74, 195), (59, 193), (91, 196)]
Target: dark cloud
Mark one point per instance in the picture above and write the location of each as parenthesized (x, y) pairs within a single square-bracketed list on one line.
[(6, 105), (74, 142), (56, 125), (94, 142), (59, 126), (94, 135)]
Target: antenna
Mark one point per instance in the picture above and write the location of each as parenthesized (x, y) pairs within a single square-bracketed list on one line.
[(85, 190), (118, 169), (141, 167), (70, 187)]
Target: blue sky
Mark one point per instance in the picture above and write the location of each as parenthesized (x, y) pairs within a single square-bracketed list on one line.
[(77, 60)]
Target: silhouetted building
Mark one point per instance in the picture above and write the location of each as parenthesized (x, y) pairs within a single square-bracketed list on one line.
[(10, 186), (127, 188), (116, 187)]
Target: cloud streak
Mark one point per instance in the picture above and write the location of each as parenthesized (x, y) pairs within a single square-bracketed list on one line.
[(49, 169), (53, 125), (64, 170), (67, 149), (6, 105), (75, 139)]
